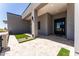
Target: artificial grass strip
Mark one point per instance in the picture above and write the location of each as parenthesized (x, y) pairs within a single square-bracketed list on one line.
[(63, 52), (23, 38), (20, 36)]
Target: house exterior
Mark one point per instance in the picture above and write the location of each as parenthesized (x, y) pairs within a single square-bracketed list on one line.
[(44, 19), (76, 31)]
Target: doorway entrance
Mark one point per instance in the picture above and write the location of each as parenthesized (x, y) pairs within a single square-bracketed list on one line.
[(59, 26)]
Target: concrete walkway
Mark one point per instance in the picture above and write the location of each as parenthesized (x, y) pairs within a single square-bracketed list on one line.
[(36, 47)]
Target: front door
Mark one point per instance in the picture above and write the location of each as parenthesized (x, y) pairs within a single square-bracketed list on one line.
[(59, 26)]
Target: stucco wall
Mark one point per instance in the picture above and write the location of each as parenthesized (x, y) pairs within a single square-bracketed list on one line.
[(77, 27), (43, 24), (5, 38), (16, 24), (70, 21), (47, 22), (28, 26)]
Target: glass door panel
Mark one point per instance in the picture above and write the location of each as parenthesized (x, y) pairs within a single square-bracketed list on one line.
[(59, 26)]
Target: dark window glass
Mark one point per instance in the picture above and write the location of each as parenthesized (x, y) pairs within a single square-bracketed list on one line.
[(38, 25), (59, 26)]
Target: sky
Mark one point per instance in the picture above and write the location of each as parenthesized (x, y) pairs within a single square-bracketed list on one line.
[(16, 8)]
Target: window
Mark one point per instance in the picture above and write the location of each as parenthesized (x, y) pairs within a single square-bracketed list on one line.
[(59, 26), (39, 25)]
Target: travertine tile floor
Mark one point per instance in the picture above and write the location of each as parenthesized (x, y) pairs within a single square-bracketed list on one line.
[(41, 46)]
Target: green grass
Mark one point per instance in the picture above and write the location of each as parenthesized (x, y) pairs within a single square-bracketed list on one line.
[(2, 30), (23, 38), (19, 36), (63, 52)]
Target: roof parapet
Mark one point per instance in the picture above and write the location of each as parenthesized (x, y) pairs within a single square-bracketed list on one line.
[(13, 14), (26, 8)]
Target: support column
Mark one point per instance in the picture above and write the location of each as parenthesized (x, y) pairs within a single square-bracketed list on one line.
[(70, 21), (76, 27), (34, 23)]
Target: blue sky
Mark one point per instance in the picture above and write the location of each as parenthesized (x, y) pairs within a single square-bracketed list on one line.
[(16, 8)]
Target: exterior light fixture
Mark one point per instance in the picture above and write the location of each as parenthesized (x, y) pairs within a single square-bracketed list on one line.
[(32, 17)]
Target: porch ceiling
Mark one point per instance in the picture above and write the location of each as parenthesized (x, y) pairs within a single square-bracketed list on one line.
[(51, 8)]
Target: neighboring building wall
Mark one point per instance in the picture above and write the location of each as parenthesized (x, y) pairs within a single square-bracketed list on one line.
[(57, 16), (70, 21), (16, 24)]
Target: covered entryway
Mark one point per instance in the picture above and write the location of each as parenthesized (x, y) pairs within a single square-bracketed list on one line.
[(57, 19), (44, 19)]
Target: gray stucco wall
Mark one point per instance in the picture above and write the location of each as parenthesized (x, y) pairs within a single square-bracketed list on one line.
[(70, 21), (43, 24), (47, 22), (16, 24), (76, 27)]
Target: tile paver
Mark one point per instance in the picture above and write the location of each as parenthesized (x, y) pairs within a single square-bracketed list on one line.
[(36, 47)]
